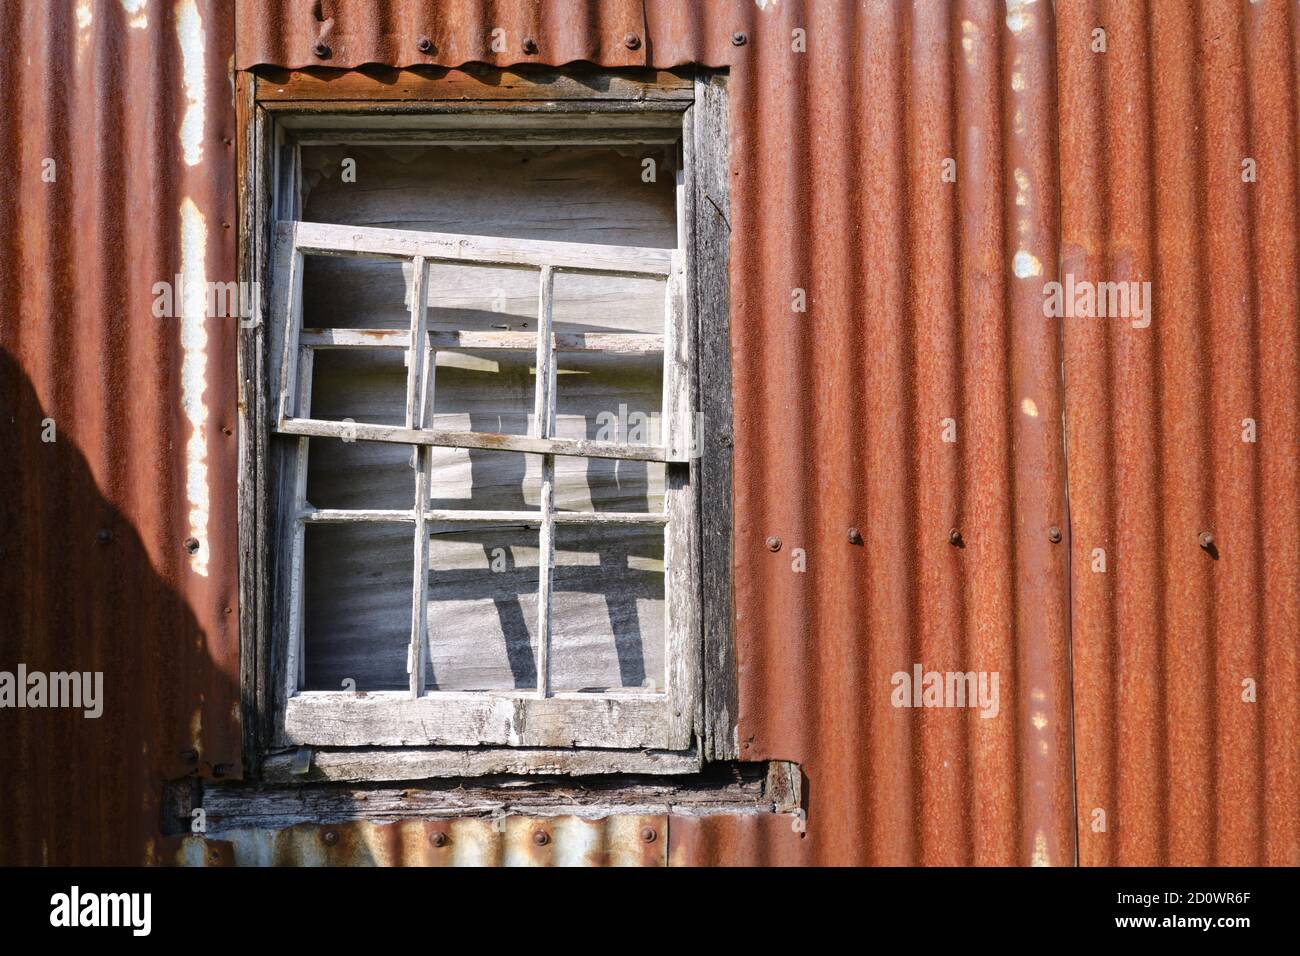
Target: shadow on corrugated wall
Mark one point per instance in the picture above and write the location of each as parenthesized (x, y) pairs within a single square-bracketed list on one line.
[(116, 139)]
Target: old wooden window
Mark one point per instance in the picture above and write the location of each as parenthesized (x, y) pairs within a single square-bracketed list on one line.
[(484, 418)]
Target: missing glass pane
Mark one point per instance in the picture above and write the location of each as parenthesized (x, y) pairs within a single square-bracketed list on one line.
[(357, 597), (608, 612)]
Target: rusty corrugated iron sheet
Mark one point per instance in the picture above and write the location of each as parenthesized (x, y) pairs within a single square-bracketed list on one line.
[(116, 139), (1154, 137), (620, 840), (924, 313), (924, 305), (915, 315), (610, 33)]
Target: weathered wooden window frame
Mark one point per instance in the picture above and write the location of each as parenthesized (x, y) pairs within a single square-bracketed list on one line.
[(279, 115)]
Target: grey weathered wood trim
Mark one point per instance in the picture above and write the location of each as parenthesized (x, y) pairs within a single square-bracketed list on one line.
[(428, 124), (453, 718), (493, 136), (452, 517), (253, 154), (710, 258), (329, 239), (637, 717), (357, 765), (445, 438), (544, 427), (418, 394), (623, 342)]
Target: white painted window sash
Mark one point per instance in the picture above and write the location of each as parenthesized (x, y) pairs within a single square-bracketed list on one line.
[(307, 238), (536, 718)]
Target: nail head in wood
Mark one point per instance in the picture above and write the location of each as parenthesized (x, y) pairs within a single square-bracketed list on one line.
[(1054, 534), (774, 543), (1206, 539), (855, 536)]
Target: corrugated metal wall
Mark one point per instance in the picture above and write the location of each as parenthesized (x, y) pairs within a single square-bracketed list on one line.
[(924, 304), (116, 141), (1153, 136)]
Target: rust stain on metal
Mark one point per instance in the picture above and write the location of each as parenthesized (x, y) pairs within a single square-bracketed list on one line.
[(476, 841)]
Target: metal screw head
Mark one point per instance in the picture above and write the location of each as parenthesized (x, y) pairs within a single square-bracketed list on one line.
[(330, 837), (103, 536), (739, 38), (954, 538), (424, 45), (648, 834), (774, 543), (1206, 539), (855, 536), (438, 838), (632, 41), (1054, 534), (530, 46), (541, 837), (321, 49), (192, 545)]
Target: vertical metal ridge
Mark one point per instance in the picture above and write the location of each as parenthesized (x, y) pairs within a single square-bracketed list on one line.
[(1042, 694), (1271, 47)]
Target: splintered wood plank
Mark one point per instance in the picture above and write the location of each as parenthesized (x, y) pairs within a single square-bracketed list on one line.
[(362, 765), (492, 441), (318, 238), (710, 239)]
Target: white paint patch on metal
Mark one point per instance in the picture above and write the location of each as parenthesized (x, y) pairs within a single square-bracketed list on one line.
[(194, 365), (189, 31), (137, 19)]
